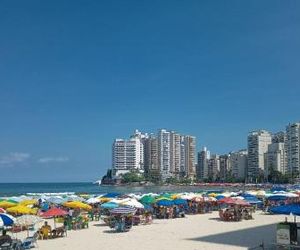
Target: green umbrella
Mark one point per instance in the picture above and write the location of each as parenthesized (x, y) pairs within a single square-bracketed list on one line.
[(147, 199)]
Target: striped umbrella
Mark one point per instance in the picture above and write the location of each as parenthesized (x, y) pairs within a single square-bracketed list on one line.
[(123, 210), (6, 220)]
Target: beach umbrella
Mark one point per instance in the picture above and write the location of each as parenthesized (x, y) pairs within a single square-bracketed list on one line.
[(286, 209), (277, 197), (219, 197), (2, 210), (165, 203), (233, 201), (123, 210), (147, 199), (111, 195), (6, 220), (28, 202), (27, 220), (109, 205), (77, 204), (133, 203), (21, 210), (103, 199), (180, 202), (53, 212), (93, 200), (8, 203), (56, 200)]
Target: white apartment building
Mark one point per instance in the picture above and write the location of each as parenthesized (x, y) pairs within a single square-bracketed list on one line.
[(190, 156), (258, 142), (164, 154), (127, 155), (293, 147), (175, 153)]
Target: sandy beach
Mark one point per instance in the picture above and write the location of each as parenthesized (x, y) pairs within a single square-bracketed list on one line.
[(193, 232)]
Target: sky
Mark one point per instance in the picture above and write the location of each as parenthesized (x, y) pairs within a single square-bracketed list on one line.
[(74, 75)]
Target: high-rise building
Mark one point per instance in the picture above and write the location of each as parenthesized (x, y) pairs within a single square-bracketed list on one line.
[(293, 148), (213, 167), (202, 166), (175, 154), (279, 137), (238, 163), (258, 142), (190, 159), (182, 157), (127, 155), (276, 157), (151, 158), (224, 166), (164, 154)]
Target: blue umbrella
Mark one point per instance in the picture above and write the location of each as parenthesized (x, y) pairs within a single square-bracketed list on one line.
[(109, 205), (6, 220), (111, 195), (180, 202), (165, 203), (277, 198), (287, 209), (219, 197)]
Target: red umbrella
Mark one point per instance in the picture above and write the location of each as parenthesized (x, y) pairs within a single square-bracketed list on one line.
[(53, 212)]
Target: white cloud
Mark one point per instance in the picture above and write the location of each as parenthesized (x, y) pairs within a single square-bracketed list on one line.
[(13, 158), (53, 159)]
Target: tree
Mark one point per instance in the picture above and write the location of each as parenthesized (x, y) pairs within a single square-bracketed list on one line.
[(132, 177)]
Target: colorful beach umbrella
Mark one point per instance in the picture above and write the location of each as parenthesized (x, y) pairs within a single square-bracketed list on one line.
[(21, 210), (77, 204), (8, 203), (147, 199), (6, 220), (109, 205), (53, 212), (123, 210), (28, 202), (165, 203)]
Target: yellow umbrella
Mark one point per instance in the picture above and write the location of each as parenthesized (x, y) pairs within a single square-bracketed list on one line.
[(7, 204), (28, 202), (104, 199), (212, 195), (22, 210), (174, 196), (77, 204)]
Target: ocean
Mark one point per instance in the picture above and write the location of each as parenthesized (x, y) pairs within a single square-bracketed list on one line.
[(14, 189)]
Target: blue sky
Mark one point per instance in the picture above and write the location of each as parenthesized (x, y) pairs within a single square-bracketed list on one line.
[(76, 74)]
